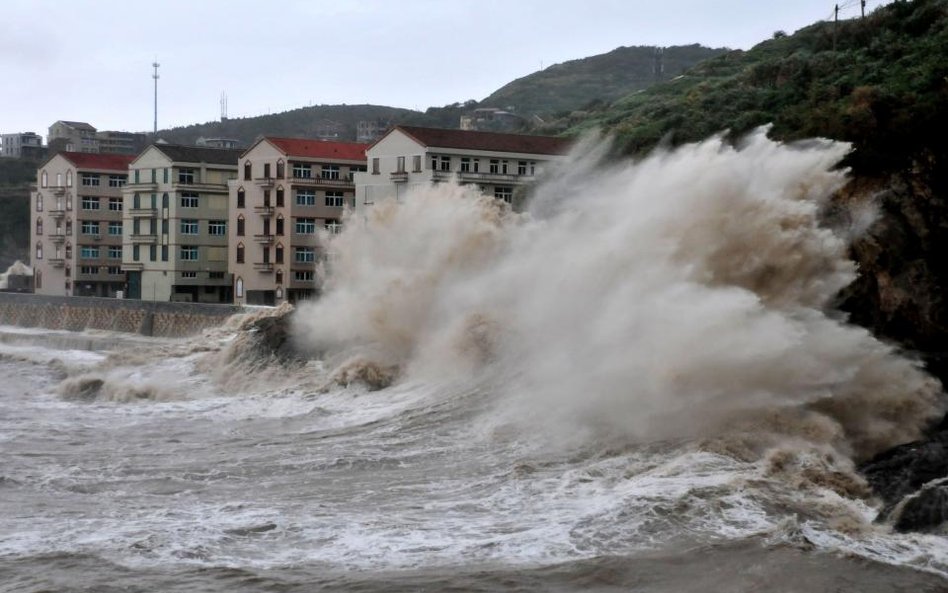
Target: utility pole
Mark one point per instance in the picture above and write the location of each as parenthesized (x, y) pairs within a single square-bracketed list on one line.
[(155, 65), (863, 5), (835, 25)]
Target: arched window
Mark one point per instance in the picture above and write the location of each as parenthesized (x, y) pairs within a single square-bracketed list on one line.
[(240, 253), (279, 276), (247, 171), (59, 179), (68, 227), (279, 203), (280, 169), (38, 278), (279, 253), (69, 178), (164, 200), (68, 250), (241, 197), (240, 225), (44, 179), (68, 201), (39, 250), (279, 225), (239, 287), (39, 202), (39, 225)]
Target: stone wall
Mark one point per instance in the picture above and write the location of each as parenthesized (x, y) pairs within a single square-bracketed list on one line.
[(122, 315)]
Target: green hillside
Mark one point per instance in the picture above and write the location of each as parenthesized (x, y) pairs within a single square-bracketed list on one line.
[(16, 175), (602, 78)]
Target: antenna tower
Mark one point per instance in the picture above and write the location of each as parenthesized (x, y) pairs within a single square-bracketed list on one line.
[(155, 65), (223, 105)]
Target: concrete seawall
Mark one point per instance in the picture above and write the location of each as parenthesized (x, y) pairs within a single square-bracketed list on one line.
[(123, 315)]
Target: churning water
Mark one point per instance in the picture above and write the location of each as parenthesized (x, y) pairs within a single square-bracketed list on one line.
[(637, 384)]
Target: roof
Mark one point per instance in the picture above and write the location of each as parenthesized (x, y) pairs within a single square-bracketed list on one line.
[(487, 141), (79, 125), (305, 147), (109, 162), (180, 153)]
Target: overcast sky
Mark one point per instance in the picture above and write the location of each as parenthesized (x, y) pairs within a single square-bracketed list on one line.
[(90, 60)]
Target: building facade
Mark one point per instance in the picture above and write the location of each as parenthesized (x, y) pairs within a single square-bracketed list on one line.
[(113, 142), (77, 228), (408, 156), (176, 216), (289, 192), (72, 136), (22, 145)]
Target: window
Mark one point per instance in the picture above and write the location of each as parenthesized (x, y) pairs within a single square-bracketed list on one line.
[(154, 175), (266, 198), (279, 276), (375, 167), (39, 226), (241, 198), (305, 197), (503, 167), (215, 275), (69, 179), (185, 175), (333, 226), (138, 175), (136, 252), (38, 275), (115, 228), (114, 271), (164, 200), (400, 164), (533, 168), (445, 163), (164, 253), (189, 226), (115, 204), (303, 275), (152, 253), (164, 226), (494, 166), (189, 200), (189, 253), (335, 199), (504, 193), (304, 255), (302, 171), (68, 227), (239, 287), (279, 226), (217, 227), (44, 179), (521, 167), (136, 226), (68, 251), (247, 171), (90, 227), (477, 165), (280, 169), (279, 197), (136, 202), (279, 254), (332, 171), (305, 226), (39, 202), (266, 170), (240, 253), (117, 180), (164, 175), (68, 201), (89, 180), (189, 274), (90, 203), (88, 269), (89, 252), (240, 226), (416, 163), (465, 165), (59, 179), (115, 252)]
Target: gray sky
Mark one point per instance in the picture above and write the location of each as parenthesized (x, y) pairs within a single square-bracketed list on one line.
[(90, 60)]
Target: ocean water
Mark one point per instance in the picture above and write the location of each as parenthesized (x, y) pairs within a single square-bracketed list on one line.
[(638, 385)]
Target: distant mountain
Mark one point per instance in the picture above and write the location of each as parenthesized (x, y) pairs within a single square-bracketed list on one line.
[(597, 79)]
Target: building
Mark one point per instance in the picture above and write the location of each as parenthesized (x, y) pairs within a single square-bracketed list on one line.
[(498, 164), (121, 142), (218, 142), (72, 136), (76, 228), (492, 119), (369, 130), (289, 190), (175, 214), (23, 145)]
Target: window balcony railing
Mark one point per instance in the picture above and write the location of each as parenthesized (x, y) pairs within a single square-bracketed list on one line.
[(58, 190), (144, 239), (263, 210), (264, 239), (57, 262), (143, 212), (322, 182), (57, 213), (264, 267), (57, 237), (399, 176), (264, 181)]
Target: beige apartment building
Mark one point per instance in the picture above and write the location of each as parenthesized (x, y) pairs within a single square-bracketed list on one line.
[(289, 192), (175, 222), (499, 164), (77, 228)]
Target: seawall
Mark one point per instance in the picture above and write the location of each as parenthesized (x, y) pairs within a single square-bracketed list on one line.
[(122, 315)]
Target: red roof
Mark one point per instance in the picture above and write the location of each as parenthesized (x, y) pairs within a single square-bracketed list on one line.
[(488, 141), (109, 162), (350, 151)]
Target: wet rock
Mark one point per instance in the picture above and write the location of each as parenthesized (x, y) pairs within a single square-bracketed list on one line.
[(925, 510)]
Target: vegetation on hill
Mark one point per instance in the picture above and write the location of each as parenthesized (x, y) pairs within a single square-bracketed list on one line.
[(16, 175), (597, 79)]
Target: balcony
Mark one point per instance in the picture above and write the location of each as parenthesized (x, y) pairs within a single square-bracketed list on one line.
[(143, 212), (265, 182), (57, 237), (57, 213), (264, 267), (57, 262), (480, 177), (265, 211), (136, 266), (322, 182), (58, 190), (264, 239), (144, 239), (143, 186), (399, 176)]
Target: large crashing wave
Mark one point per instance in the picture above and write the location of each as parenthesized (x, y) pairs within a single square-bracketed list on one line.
[(677, 296)]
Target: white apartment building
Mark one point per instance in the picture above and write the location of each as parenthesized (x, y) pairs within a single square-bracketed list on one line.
[(23, 144), (290, 190), (76, 228), (176, 214), (408, 156)]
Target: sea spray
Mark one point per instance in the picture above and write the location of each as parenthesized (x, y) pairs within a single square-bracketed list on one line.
[(684, 295)]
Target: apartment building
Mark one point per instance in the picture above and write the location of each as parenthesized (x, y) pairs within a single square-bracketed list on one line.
[(121, 142), (409, 156), (22, 145), (176, 217), (77, 228), (72, 136), (289, 192)]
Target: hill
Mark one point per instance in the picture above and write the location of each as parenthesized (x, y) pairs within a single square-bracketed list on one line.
[(16, 175), (597, 79)]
